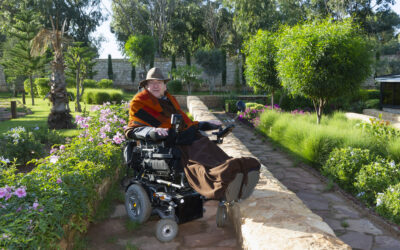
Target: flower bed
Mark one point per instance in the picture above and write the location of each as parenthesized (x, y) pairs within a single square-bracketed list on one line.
[(60, 193), (361, 157)]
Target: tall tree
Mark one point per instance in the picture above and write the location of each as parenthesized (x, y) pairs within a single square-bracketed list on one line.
[(83, 16), (19, 61), (79, 60), (261, 73), (143, 17), (110, 72), (211, 62), (323, 60), (59, 117), (140, 50), (216, 23)]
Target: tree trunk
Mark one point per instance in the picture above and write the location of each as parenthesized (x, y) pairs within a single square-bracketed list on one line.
[(23, 97), (59, 117), (77, 104), (189, 88), (32, 95), (272, 99)]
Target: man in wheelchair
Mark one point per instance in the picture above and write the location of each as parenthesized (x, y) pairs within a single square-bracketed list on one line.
[(176, 167)]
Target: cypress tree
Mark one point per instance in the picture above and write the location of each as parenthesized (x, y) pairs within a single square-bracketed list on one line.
[(133, 73), (223, 52), (110, 69)]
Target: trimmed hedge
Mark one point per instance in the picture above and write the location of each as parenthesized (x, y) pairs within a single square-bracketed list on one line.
[(105, 83), (43, 86), (96, 96), (174, 86)]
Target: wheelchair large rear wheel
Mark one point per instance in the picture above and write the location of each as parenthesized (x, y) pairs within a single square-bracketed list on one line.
[(166, 230), (137, 203)]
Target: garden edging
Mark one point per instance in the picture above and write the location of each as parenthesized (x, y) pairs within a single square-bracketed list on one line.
[(273, 217)]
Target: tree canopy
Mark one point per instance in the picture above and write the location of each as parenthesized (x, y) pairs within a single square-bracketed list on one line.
[(322, 60)]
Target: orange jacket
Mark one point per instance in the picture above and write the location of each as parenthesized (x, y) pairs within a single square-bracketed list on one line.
[(145, 110)]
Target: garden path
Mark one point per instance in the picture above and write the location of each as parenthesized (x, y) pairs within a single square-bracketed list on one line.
[(352, 223)]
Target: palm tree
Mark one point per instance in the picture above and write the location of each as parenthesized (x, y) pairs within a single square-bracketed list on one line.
[(59, 117)]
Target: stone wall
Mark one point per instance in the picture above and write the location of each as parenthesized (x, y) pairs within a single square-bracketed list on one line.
[(122, 72)]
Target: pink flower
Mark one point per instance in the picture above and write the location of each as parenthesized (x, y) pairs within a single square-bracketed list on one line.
[(35, 205), (59, 180), (100, 143), (19, 209), (3, 192), (53, 150), (118, 139), (20, 192), (122, 121), (102, 135), (90, 139), (62, 147)]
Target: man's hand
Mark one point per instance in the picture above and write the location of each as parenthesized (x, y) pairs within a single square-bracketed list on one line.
[(161, 131)]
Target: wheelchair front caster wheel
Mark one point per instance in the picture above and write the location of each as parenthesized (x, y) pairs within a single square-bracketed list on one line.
[(166, 230), (137, 203), (222, 215)]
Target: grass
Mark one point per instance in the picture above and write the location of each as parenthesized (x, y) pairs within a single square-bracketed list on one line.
[(106, 206), (312, 143), (41, 110)]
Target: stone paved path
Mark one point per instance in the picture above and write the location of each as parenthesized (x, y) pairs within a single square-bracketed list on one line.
[(350, 224)]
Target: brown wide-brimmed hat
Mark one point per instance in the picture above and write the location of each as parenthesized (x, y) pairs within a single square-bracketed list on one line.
[(153, 74)]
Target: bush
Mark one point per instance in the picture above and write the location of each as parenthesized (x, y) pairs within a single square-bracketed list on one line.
[(43, 86), (101, 97), (343, 164), (116, 97), (254, 105), (89, 83), (393, 150), (375, 178), (27, 87), (388, 203), (61, 192), (71, 96), (372, 104), (20, 144), (88, 97), (230, 106), (105, 83), (174, 86)]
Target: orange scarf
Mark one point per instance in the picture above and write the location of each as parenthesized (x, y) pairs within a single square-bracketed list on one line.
[(145, 110)]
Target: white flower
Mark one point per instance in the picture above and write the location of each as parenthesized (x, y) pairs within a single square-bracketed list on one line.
[(332, 159), (360, 194), (379, 199), (352, 153), (4, 159), (36, 128), (392, 164), (54, 158), (391, 189)]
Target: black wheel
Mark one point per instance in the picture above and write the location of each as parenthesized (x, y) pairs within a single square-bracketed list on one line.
[(166, 230), (137, 203), (222, 215)]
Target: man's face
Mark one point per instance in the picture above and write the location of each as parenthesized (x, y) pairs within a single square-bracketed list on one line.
[(156, 87)]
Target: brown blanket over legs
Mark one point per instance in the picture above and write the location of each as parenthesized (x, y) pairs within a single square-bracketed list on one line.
[(209, 169)]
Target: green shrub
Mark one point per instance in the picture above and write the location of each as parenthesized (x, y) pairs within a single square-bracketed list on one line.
[(88, 97), (288, 102), (105, 83), (174, 86), (388, 203), (367, 94), (372, 104), (101, 97), (318, 145), (43, 86), (20, 144), (254, 105), (89, 83), (230, 106), (343, 164), (116, 97), (27, 87), (375, 178), (71, 96)]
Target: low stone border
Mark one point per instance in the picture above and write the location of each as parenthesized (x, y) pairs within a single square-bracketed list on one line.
[(273, 217)]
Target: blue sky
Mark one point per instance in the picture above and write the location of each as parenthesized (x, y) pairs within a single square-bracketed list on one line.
[(110, 45)]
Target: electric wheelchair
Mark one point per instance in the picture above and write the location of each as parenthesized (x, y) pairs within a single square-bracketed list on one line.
[(155, 183)]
